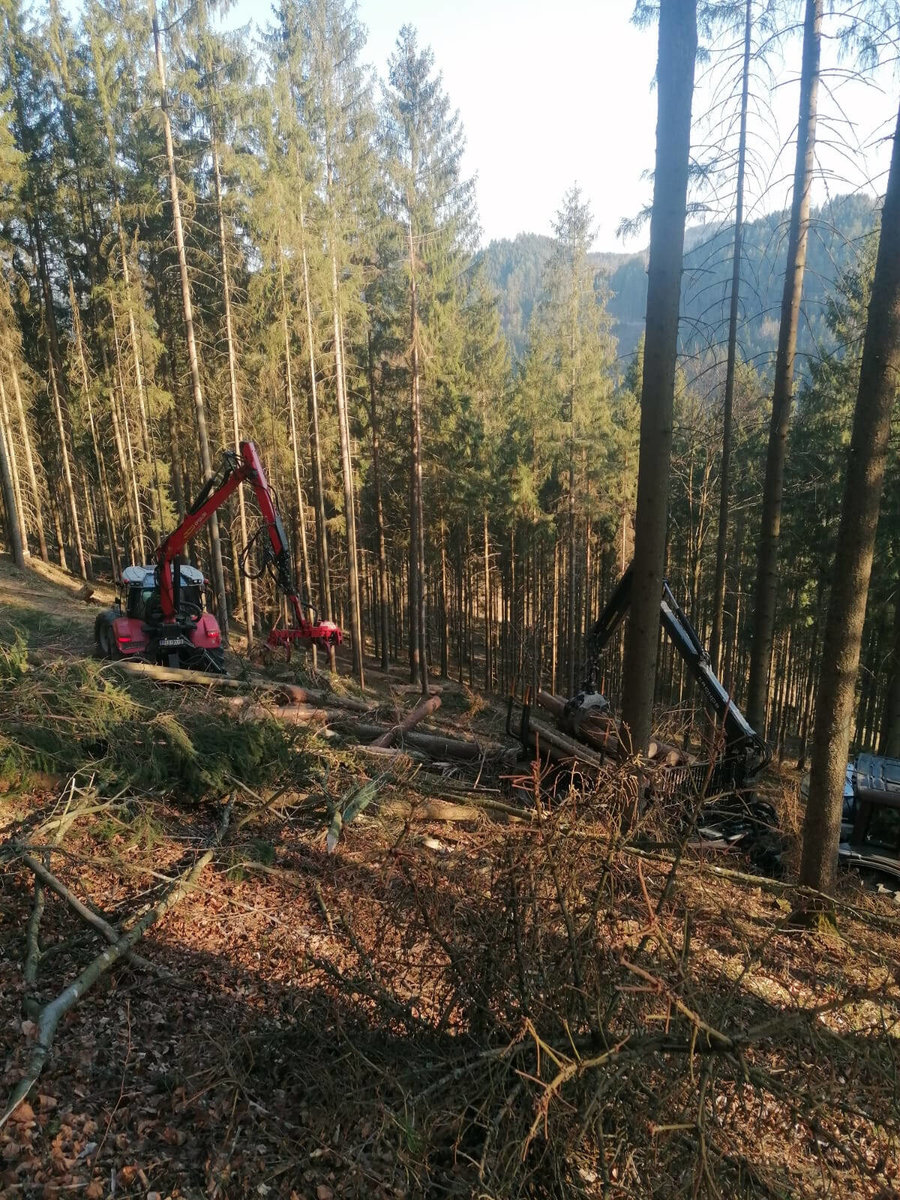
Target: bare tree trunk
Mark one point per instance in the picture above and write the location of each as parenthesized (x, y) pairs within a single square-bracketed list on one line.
[(295, 441), (766, 587), (379, 508), (109, 518), (7, 489), (445, 608), (218, 570), (417, 511), (877, 392), (127, 448), (347, 477), (715, 642), (232, 377), (890, 727), (489, 661), (675, 79), (6, 424), (325, 598), (67, 468), (29, 463)]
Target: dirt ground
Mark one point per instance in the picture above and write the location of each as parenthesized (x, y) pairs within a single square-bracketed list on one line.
[(493, 1007)]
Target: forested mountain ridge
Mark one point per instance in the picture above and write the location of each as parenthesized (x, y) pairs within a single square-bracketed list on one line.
[(514, 268)]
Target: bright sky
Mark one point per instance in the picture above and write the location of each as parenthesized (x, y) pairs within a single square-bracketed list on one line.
[(554, 92)]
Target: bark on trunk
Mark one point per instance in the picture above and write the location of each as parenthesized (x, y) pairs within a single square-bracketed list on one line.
[(417, 510), (6, 423), (232, 375), (13, 525), (675, 75), (877, 392), (218, 570), (765, 591), (29, 463), (347, 477), (379, 509)]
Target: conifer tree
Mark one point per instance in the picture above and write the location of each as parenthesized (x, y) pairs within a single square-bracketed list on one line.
[(433, 204)]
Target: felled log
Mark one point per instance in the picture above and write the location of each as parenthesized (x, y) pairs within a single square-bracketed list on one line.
[(432, 809), (291, 693), (598, 731), (176, 675), (290, 714), (394, 754), (563, 748), (423, 710), (433, 744)]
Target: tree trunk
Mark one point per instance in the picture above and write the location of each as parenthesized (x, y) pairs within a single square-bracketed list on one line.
[(417, 510), (67, 468), (325, 598), (379, 508), (232, 375), (675, 76), (715, 642), (877, 392), (765, 591), (295, 440), (347, 477), (890, 728), (29, 463), (109, 518), (218, 570), (7, 489), (7, 427), (488, 661)]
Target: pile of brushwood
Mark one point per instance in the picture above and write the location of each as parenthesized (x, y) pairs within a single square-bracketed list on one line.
[(302, 977)]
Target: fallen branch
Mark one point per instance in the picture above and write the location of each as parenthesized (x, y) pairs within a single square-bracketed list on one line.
[(42, 874), (32, 947), (52, 1013)]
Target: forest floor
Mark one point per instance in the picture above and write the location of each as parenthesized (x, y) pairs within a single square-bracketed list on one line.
[(493, 1007)]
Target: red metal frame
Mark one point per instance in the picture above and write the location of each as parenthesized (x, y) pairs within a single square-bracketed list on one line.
[(245, 467)]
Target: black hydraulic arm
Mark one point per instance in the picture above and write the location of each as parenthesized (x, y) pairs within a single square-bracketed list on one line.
[(739, 734)]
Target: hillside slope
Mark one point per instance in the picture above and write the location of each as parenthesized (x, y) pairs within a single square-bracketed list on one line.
[(491, 1006)]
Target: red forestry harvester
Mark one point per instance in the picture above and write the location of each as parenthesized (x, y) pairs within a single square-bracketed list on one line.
[(164, 619)]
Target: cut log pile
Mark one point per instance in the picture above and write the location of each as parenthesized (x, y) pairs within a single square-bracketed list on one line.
[(590, 737), (587, 739), (346, 718)]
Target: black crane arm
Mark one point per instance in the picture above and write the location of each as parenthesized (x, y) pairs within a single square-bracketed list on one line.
[(740, 736)]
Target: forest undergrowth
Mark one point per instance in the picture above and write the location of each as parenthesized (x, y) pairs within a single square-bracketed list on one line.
[(497, 1007)]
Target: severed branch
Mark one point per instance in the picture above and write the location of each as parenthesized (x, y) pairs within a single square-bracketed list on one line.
[(32, 948), (51, 1014), (432, 704), (105, 930)]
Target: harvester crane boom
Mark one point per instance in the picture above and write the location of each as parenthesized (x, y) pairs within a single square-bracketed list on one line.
[(244, 466), (740, 736)]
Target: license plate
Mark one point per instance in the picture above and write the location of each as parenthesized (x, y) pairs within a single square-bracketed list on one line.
[(171, 643)]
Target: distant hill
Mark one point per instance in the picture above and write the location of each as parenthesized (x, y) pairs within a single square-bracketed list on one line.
[(514, 267)]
